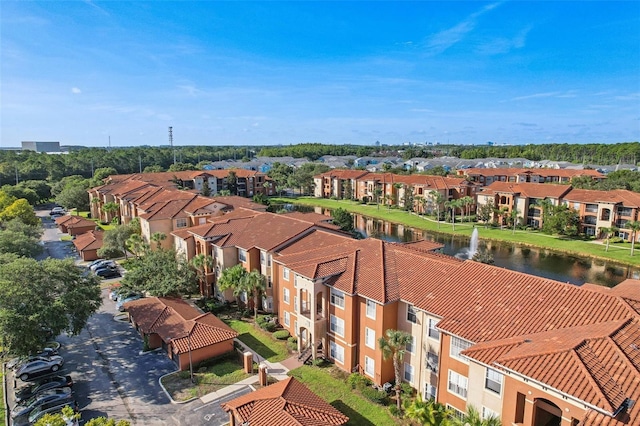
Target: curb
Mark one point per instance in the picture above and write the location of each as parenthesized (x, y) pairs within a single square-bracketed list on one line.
[(167, 392)]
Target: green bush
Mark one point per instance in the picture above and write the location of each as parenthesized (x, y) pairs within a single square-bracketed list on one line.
[(616, 240), (395, 411), (356, 380), (269, 326), (319, 362), (247, 313), (374, 395), (281, 335), (406, 389), (262, 319), (292, 343)]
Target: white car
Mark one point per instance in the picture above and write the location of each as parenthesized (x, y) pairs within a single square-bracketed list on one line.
[(57, 211)]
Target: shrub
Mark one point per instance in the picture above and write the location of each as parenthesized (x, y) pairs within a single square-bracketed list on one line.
[(319, 362), (374, 395), (247, 313), (262, 319), (281, 335), (292, 343), (356, 380), (406, 389), (395, 411), (270, 327)]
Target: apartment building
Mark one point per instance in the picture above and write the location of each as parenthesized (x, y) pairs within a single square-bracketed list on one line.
[(597, 209), (486, 176)]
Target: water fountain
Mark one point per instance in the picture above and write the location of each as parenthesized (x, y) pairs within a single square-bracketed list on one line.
[(467, 253)]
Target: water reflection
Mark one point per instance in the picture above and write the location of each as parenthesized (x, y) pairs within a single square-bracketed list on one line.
[(541, 262)]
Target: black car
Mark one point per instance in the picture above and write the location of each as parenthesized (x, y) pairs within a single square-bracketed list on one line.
[(107, 272), (52, 382), (51, 395)]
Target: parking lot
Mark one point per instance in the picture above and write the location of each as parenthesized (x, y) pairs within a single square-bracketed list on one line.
[(112, 376)]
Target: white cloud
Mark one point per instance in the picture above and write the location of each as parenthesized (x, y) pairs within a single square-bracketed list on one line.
[(75, 91), (443, 40)]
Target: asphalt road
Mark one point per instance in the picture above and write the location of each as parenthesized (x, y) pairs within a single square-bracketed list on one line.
[(112, 377)]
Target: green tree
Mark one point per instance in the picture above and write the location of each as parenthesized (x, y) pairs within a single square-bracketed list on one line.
[(232, 183), (74, 197), (104, 172), (114, 242), (160, 273), (19, 244), (58, 419), (154, 169), (473, 418), (40, 187), (343, 219), (111, 209), (408, 199), (393, 346), (484, 213), (157, 238), (634, 226), (21, 210), (51, 294), (136, 245), (608, 233), (438, 200), (429, 412), (347, 189), (232, 279), (254, 283), (19, 191), (452, 205), (202, 263)]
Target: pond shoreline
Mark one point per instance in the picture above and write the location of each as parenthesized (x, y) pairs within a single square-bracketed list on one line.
[(413, 220)]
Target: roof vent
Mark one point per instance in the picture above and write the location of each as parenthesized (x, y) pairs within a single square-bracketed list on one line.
[(527, 340)]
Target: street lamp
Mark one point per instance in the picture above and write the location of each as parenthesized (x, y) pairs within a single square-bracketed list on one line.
[(188, 336)]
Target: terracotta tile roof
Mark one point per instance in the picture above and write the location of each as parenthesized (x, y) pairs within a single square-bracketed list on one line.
[(526, 189), (482, 302), (91, 240), (597, 364), (175, 321), (372, 268), (624, 197), (343, 174), (79, 222), (316, 218), (316, 239), (237, 202), (432, 182), (286, 403)]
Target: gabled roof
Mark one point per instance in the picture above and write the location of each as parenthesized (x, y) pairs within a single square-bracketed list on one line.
[(343, 174), (622, 196), (544, 172), (482, 302), (175, 321), (597, 364), (91, 240), (527, 189), (286, 403)]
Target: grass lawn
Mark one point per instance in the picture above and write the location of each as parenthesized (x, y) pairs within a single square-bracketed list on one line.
[(619, 252), (259, 340), (101, 225), (329, 384), (207, 379)]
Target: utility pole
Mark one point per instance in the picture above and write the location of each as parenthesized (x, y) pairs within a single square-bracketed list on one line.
[(140, 162), (171, 143)]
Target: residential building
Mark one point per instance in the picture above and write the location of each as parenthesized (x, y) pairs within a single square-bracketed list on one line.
[(486, 176), (288, 402)]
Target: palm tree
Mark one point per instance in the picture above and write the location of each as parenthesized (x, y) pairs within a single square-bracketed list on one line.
[(136, 245), (110, 209), (393, 345), (202, 263), (513, 216), (468, 202), (376, 196), (438, 199), (232, 279), (158, 238), (255, 284), (608, 232), (473, 418), (453, 205), (396, 193), (634, 226), (428, 413)]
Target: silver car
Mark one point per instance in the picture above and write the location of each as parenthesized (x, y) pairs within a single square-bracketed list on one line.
[(39, 367), (46, 397)]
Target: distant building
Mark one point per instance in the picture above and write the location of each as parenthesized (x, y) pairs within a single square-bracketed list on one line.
[(41, 146)]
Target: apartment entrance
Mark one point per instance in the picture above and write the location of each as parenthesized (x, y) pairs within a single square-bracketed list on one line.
[(546, 413)]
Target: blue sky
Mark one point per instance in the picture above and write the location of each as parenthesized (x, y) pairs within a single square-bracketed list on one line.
[(262, 73)]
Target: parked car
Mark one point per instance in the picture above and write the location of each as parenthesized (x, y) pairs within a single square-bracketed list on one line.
[(57, 211), (107, 273), (45, 353), (51, 408), (46, 383), (95, 262), (113, 292), (39, 367), (51, 395), (130, 298), (103, 264)]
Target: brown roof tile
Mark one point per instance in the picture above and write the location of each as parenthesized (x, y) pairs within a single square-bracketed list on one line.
[(286, 403), (91, 240)]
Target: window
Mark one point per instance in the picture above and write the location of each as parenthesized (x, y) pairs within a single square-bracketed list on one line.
[(493, 380), (369, 366), (411, 314), (242, 255), (458, 345), (181, 223), (202, 221), (286, 295), (336, 352), (295, 303), (287, 318), (337, 298), (430, 392), (371, 309), (457, 384), (455, 412), (408, 372), (337, 325), (285, 273), (410, 347), (432, 361), (487, 413), (433, 331), (370, 337), (263, 258)]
